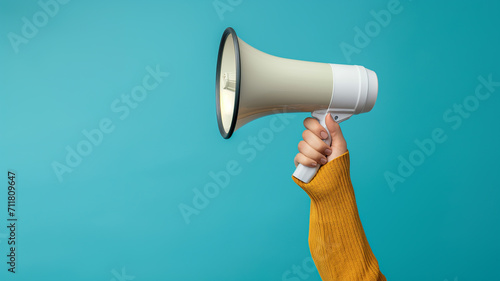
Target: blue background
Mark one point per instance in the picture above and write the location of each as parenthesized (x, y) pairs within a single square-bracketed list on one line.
[(119, 209)]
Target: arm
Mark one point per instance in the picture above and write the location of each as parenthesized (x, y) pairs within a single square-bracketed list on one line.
[(337, 240)]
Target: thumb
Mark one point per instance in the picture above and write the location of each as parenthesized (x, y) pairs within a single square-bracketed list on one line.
[(338, 141)]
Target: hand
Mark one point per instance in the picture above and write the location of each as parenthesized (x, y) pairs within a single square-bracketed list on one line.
[(312, 150)]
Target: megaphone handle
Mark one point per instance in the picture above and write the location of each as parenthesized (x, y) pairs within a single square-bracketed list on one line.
[(304, 173)]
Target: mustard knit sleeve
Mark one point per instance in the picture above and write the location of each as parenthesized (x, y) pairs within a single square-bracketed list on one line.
[(336, 237)]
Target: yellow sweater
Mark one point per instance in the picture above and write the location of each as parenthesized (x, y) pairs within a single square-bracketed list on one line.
[(336, 237)]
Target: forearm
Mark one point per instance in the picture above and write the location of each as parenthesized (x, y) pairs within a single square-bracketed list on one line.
[(336, 238)]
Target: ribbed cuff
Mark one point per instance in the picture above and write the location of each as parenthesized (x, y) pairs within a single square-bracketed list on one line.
[(333, 180)]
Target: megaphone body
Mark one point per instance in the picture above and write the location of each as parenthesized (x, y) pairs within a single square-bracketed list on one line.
[(252, 84)]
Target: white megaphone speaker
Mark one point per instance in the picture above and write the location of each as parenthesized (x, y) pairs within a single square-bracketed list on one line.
[(251, 84)]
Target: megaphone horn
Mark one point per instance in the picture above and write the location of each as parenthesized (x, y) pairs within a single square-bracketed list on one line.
[(251, 84)]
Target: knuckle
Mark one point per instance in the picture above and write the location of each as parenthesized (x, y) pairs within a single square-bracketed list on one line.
[(308, 135), (301, 159), (307, 121), (310, 122), (304, 134), (301, 145)]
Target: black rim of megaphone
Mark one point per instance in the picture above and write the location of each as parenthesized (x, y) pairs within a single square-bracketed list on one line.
[(227, 32)]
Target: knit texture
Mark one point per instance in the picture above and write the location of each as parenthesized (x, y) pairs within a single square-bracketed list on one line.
[(337, 240)]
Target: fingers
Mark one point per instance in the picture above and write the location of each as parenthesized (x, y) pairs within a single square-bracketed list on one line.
[(316, 143), (309, 156), (312, 150), (313, 125), (304, 160)]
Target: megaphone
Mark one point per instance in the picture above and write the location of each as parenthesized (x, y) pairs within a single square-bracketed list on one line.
[(252, 84)]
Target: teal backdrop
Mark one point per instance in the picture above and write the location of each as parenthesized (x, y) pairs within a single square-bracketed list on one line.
[(107, 119)]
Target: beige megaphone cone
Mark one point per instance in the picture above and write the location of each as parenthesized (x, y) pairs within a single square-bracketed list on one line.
[(251, 84)]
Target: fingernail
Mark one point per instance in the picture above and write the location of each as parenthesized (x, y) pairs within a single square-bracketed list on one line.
[(328, 151), (314, 164), (324, 135), (323, 161)]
